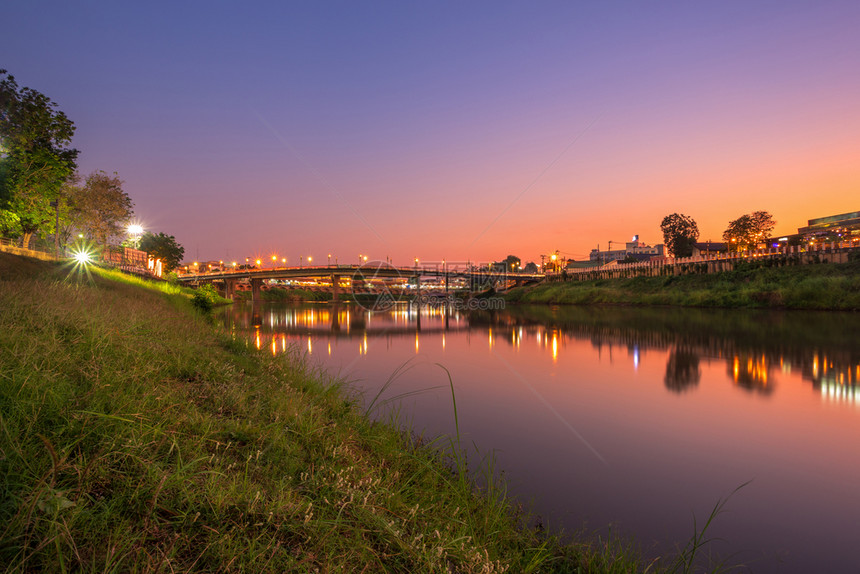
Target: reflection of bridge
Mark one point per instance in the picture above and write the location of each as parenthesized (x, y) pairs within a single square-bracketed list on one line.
[(368, 273), (350, 321)]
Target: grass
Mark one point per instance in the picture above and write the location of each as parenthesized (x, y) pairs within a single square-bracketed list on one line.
[(827, 286), (135, 436)]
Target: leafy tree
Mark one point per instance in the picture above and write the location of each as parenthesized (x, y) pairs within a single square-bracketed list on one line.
[(100, 208), (163, 247), (35, 160), (680, 233), (512, 262), (749, 230)]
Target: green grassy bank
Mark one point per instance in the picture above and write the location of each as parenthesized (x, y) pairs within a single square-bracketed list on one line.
[(135, 436), (825, 286)]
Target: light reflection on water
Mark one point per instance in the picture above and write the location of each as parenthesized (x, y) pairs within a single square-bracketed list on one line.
[(637, 417)]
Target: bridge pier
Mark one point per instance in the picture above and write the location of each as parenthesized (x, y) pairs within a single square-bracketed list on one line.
[(335, 289), (229, 288), (256, 285)]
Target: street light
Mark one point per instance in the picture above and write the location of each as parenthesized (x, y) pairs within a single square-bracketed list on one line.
[(135, 232), (310, 260)]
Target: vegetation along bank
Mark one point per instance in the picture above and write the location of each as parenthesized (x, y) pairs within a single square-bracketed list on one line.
[(824, 286), (138, 436)]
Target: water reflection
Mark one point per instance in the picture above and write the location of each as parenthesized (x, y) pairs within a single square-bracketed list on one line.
[(755, 346), (682, 370)]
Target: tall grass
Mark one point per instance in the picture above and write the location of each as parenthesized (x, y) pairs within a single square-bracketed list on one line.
[(820, 287), (135, 436)]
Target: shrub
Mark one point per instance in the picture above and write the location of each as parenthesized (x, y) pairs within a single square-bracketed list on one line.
[(204, 298)]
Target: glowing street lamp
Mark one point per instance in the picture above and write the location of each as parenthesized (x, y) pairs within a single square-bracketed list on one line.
[(135, 232), (310, 260)]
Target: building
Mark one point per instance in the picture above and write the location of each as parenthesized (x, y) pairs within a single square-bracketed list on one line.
[(634, 249), (709, 248), (843, 227)]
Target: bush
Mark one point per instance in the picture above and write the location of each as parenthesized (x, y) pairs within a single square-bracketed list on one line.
[(204, 298)]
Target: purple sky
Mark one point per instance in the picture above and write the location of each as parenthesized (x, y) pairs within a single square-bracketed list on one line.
[(448, 129)]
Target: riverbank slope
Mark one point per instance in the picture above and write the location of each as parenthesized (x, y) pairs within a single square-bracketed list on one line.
[(825, 286), (137, 436)]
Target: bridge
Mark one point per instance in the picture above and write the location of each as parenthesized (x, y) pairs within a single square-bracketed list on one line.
[(367, 274)]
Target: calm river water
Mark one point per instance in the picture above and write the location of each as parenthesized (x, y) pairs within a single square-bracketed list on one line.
[(641, 419)]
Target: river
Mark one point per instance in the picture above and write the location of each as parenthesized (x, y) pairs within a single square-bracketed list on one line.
[(633, 422)]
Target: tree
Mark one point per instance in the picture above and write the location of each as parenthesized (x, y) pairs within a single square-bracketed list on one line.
[(512, 263), (35, 160), (100, 208), (749, 230), (680, 233), (163, 247)]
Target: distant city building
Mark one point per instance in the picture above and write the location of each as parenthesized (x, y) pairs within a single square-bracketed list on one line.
[(845, 226), (842, 227), (709, 248), (573, 265), (634, 249)]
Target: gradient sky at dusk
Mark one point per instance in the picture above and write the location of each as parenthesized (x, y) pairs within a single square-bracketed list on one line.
[(458, 130)]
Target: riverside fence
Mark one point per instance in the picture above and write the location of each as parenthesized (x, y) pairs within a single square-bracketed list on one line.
[(715, 263)]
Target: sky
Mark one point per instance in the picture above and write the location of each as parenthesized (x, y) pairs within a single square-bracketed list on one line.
[(451, 130)]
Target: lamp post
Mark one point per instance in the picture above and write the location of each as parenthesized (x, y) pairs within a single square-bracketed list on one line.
[(135, 232)]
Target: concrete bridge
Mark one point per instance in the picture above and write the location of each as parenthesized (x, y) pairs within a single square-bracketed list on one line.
[(381, 274)]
